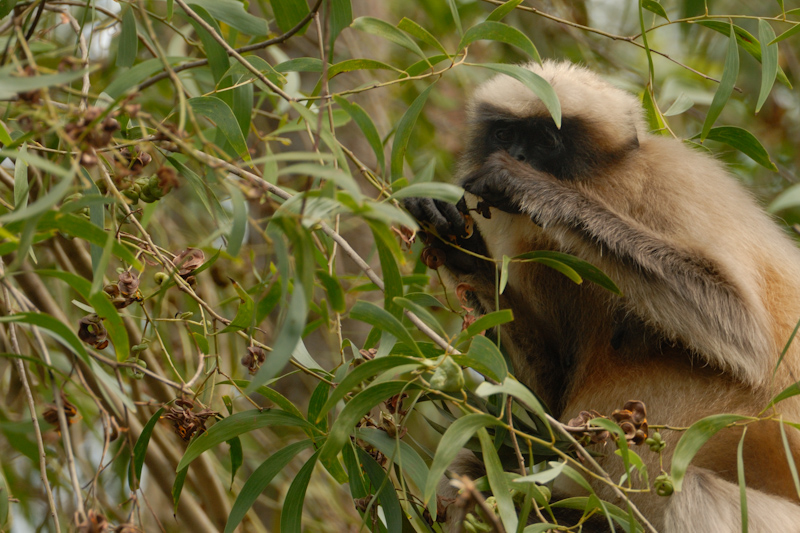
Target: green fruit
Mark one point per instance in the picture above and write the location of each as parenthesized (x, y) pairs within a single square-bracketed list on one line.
[(448, 376)]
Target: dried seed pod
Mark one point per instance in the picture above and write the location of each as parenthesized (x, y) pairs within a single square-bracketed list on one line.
[(128, 283), (91, 331), (253, 359), (188, 261), (432, 257)]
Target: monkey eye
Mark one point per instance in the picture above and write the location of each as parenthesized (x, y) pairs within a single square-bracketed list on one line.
[(504, 135)]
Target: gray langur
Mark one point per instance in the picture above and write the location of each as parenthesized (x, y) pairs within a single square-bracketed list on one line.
[(711, 286)]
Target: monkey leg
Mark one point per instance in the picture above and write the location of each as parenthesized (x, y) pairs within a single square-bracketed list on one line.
[(708, 503)]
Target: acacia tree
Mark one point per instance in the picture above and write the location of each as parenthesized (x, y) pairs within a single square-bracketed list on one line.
[(213, 313)]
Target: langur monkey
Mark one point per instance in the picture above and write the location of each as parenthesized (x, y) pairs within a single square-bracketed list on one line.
[(711, 286)]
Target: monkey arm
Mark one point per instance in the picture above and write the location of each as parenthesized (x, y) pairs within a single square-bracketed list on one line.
[(685, 296)]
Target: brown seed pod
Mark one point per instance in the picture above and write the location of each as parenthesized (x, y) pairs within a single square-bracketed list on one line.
[(432, 257)]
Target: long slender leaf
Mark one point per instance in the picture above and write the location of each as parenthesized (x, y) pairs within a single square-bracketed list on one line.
[(291, 515), (729, 75), (260, 479), (403, 133), (538, 85), (235, 425), (769, 61), (140, 449)]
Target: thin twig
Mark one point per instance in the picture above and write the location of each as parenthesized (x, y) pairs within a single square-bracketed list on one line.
[(23, 376), (232, 52), (249, 48), (589, 459)]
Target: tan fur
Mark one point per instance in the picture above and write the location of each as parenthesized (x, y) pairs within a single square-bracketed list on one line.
[(711, 294)]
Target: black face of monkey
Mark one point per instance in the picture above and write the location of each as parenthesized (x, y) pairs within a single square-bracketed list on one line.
[(568, 153)]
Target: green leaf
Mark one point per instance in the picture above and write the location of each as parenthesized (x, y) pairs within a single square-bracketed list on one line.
[(356, 409), (422, 313), (383, 320), (341, 17), (350, 65), (383, 29), (451, 443), (693, 440), (446, 192), (259, 480), (140, 449), (582, 268), (788, 199), (503, 274), (769, 61), (682, 103), (6, 7), (456, 17), (386, 496), (244, 314), (57, 328), (239, 226), (222, 116), (21, 185), (412, 28), (744, 141), (788, 392), (300, 64), (545, 476), (42, 204), (497, 481), (233, 13), (338, 176), (128, 44), (237, 456), (334, 290), (485, 322), (234, 425), (289, 13), (217, 56), (655, 120), (746, 40), (654, 7), (501, 11), (788, 33), (729, 75), (538, 85), (10, 86), (364, 122), (497, 31), (286, 341), (359, 374), (403, 132), (177, 488), (516, 389), (399, 452), (740, 476), (485, 357)]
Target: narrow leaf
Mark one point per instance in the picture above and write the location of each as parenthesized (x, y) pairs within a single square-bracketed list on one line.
[(359, 374), (383, 320), (538, 85), (694, 438), (497, 31), (128, 45), (485, 357), (140, 449), (289, 13), (403, 133), (501, 11), (232, 12), (364, 122), (260, 479), (447, 192), (412, 28), (357, 408), (497, 481), (292, 512), (222, 116), (451, 443), (744, 141), (383, 29), (769, 61), (233, 426)]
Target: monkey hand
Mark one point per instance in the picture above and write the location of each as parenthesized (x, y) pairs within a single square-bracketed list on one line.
[(517, 188), (453, 229)]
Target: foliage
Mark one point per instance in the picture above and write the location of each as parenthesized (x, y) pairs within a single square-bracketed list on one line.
[(211, 305)]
